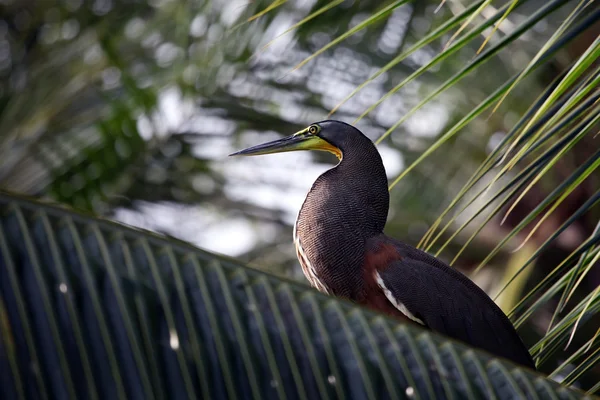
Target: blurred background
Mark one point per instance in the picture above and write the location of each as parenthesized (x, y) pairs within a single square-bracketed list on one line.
[(128, 109)]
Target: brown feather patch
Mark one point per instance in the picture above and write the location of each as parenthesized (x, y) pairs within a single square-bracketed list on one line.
[(379, 255)]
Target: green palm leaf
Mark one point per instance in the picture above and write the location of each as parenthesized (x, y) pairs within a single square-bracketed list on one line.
[(93, 309)]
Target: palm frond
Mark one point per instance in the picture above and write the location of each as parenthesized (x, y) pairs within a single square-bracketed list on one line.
[(429, 38), (383, 13), (94, 309)]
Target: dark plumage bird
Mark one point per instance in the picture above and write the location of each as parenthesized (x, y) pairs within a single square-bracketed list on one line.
[(343, 251)]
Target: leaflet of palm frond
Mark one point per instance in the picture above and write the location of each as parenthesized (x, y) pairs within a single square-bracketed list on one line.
[(570, 285), (580, 131), (559, 334), (592, 359), (570, 117), (584, 170), (537, 163), (589, 120), (497, 156), (443, 55), (521, 178), (509, 190), (435, 34), (491, 161), (583, 25), (548, 279)]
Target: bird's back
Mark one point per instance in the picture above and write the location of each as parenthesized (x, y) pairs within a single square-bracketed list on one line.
[(445, 300)]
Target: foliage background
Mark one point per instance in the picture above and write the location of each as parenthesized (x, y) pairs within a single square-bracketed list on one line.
[(129, 108)]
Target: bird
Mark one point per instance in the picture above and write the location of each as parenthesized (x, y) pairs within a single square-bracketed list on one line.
[(343, 251)]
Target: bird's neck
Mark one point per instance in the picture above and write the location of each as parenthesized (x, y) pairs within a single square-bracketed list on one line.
[(345, 206)]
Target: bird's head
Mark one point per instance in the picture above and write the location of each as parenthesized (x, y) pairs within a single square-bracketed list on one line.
[(331, 136)]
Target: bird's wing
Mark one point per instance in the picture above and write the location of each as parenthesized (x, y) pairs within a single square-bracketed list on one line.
[(440, 298)]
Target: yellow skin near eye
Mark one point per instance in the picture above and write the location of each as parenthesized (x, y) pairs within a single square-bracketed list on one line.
[(313, 142), (326, 146)]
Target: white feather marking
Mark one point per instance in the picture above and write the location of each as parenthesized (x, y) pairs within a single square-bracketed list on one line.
[(309, 271), (399, 305)]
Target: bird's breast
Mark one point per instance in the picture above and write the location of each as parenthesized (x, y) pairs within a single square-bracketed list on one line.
[(330, 234)]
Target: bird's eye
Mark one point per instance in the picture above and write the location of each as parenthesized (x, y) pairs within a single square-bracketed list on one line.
[(313, 129)]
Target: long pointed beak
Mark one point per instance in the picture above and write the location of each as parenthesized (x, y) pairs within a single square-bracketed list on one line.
[(299, 141), (290, 143)]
